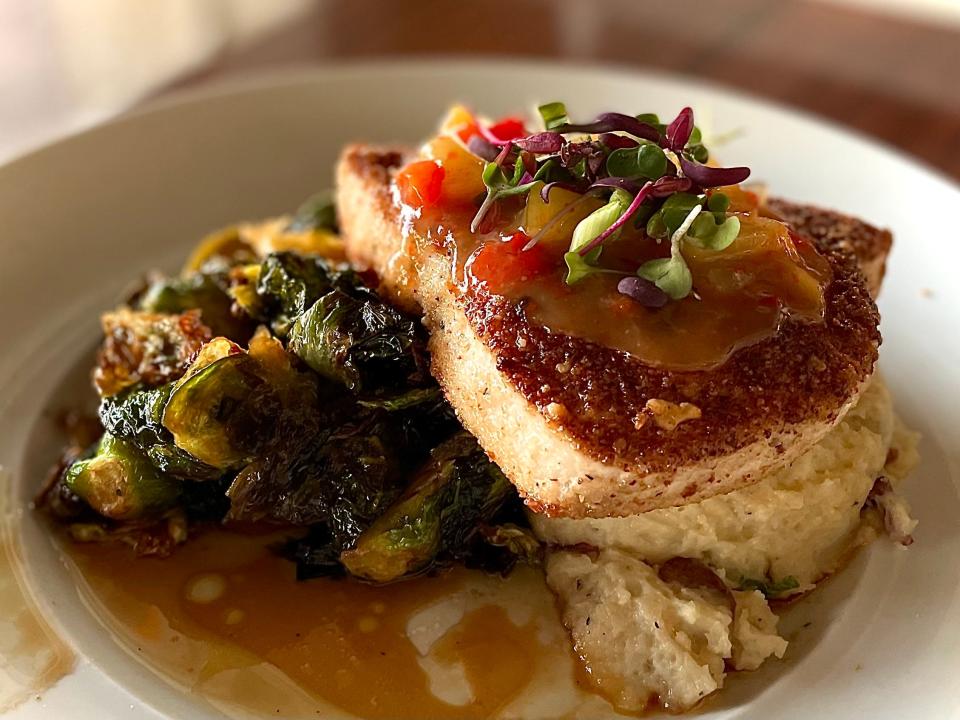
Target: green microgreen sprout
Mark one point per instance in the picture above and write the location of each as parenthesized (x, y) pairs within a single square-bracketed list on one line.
[(500, 186), (671, 274), (554, 115)]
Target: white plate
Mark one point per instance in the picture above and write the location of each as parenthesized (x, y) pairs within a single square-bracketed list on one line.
[(80, 218)]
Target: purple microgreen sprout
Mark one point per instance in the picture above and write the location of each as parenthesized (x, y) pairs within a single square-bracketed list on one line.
[(678, 132), (619, 222), (643, 291), (482, 148), (706, 176)]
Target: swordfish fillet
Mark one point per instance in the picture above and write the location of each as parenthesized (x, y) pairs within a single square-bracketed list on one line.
[(583, 430)]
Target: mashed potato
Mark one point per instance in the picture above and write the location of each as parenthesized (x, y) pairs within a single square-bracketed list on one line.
[(645, 640), (785, 532)]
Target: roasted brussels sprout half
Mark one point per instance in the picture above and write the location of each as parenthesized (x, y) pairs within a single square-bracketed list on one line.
[(222, 412), (137, 415), (198, 291), (359, 341), (458, 489), (146, 348), (288, 284), (120, 483)]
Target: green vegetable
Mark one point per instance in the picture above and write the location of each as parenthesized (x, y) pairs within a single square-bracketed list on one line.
[(653, 120), (288, 284), (656, 228), (358, 341), (718, 202), (457, 489), (222, 413), (672, 274), (142, 348), (554, 115), (579, 267), (137, 415), (600, 219), (499, 186), (644, 161), (677, 207), (707, 234), (770, 588), (318, 212), (201, 292), (120, 483)]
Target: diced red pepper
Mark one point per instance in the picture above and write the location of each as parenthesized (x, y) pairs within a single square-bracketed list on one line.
[(419, 183), (509, 128), (503, 263)]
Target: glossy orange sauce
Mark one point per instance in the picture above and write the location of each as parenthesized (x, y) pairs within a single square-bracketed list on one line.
[(741, 294), (226, 618)]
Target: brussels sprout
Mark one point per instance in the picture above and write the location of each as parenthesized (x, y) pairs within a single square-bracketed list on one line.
[(170, 460), (222, 412), (439, 512), (203, 292), (137, 415), (318, 212), (341, 473), (120, 483), (358, 341), (288, 284), (146, 348)]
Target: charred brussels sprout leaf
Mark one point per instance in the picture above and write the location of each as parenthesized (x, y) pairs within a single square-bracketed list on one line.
[(438, 513), (171, 460), (222, 413), (318, 212), (120, 483), (202, 292), (358, 341), (288, 284), (136, 415), (343, 474)]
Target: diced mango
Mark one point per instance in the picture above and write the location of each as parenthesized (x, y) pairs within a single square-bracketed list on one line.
[(538, 213), (463, 180)]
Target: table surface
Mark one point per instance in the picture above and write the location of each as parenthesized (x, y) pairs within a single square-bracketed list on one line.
[(884, 75)]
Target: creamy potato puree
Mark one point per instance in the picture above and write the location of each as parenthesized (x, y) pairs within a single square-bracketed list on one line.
[(799, 523), (646, 641)]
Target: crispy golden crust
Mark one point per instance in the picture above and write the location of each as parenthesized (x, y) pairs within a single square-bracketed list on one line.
[(868, 244), (768, 402)]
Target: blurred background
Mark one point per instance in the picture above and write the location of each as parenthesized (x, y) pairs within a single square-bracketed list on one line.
[(885, 67)]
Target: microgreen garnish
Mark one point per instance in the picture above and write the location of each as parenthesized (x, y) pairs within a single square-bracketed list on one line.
[(500, 186), (554, 115), (598, 222), (655, 176), (643, 161), (671, 274)]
